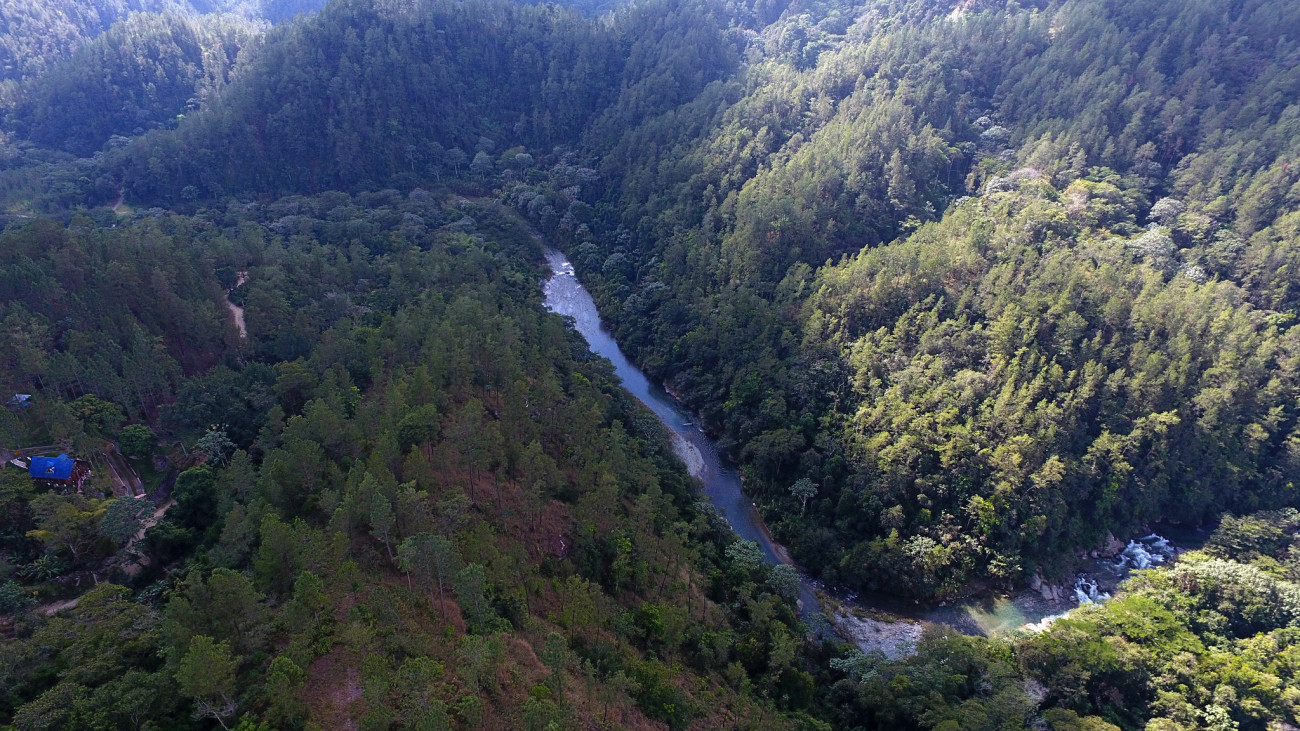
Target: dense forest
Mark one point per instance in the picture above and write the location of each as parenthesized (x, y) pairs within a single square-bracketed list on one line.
[(992, 304), (965, 289), (408, 497), (144, 72), (38, 33)]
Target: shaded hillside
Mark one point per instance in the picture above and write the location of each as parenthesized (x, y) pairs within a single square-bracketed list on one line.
[(142, 73), (399, 94)]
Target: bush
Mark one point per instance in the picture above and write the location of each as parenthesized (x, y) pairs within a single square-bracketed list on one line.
[(12, 598), (136, 440)]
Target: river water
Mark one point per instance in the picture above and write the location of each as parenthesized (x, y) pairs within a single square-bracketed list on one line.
[(565, 295)]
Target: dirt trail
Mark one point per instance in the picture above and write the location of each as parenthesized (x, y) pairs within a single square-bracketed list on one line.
[(235, 310), (54, 608), (134, 561), (238, 313), (27, 452)]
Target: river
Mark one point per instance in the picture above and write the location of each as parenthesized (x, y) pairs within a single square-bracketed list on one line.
[(565, 295)]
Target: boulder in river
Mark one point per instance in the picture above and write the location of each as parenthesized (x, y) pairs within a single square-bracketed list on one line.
[(1049, 591), (894, 639), (1112, 547)]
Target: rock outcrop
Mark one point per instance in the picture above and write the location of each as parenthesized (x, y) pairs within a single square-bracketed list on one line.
[(1050, 592)]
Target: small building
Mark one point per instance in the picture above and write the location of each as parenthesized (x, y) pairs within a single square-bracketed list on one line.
[(19, 402), (60, 471)]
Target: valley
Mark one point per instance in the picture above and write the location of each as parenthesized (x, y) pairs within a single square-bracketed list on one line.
[(908, 364)]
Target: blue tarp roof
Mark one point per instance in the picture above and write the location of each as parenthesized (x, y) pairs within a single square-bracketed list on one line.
[(52, 468)]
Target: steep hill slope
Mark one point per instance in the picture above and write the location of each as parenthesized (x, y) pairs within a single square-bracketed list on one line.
[(725, 189), (38, 33), (712, 241), (143, 72), (963, 286)]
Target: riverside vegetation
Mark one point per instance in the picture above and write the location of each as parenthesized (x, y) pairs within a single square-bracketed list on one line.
[(962, 287)]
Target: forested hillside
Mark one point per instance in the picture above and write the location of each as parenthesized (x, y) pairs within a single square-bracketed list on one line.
[(1210, 643), (966, 289), (437, 89), (1087, 331), (38, 33), (407, 499), (144, 72), (79, 78)]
